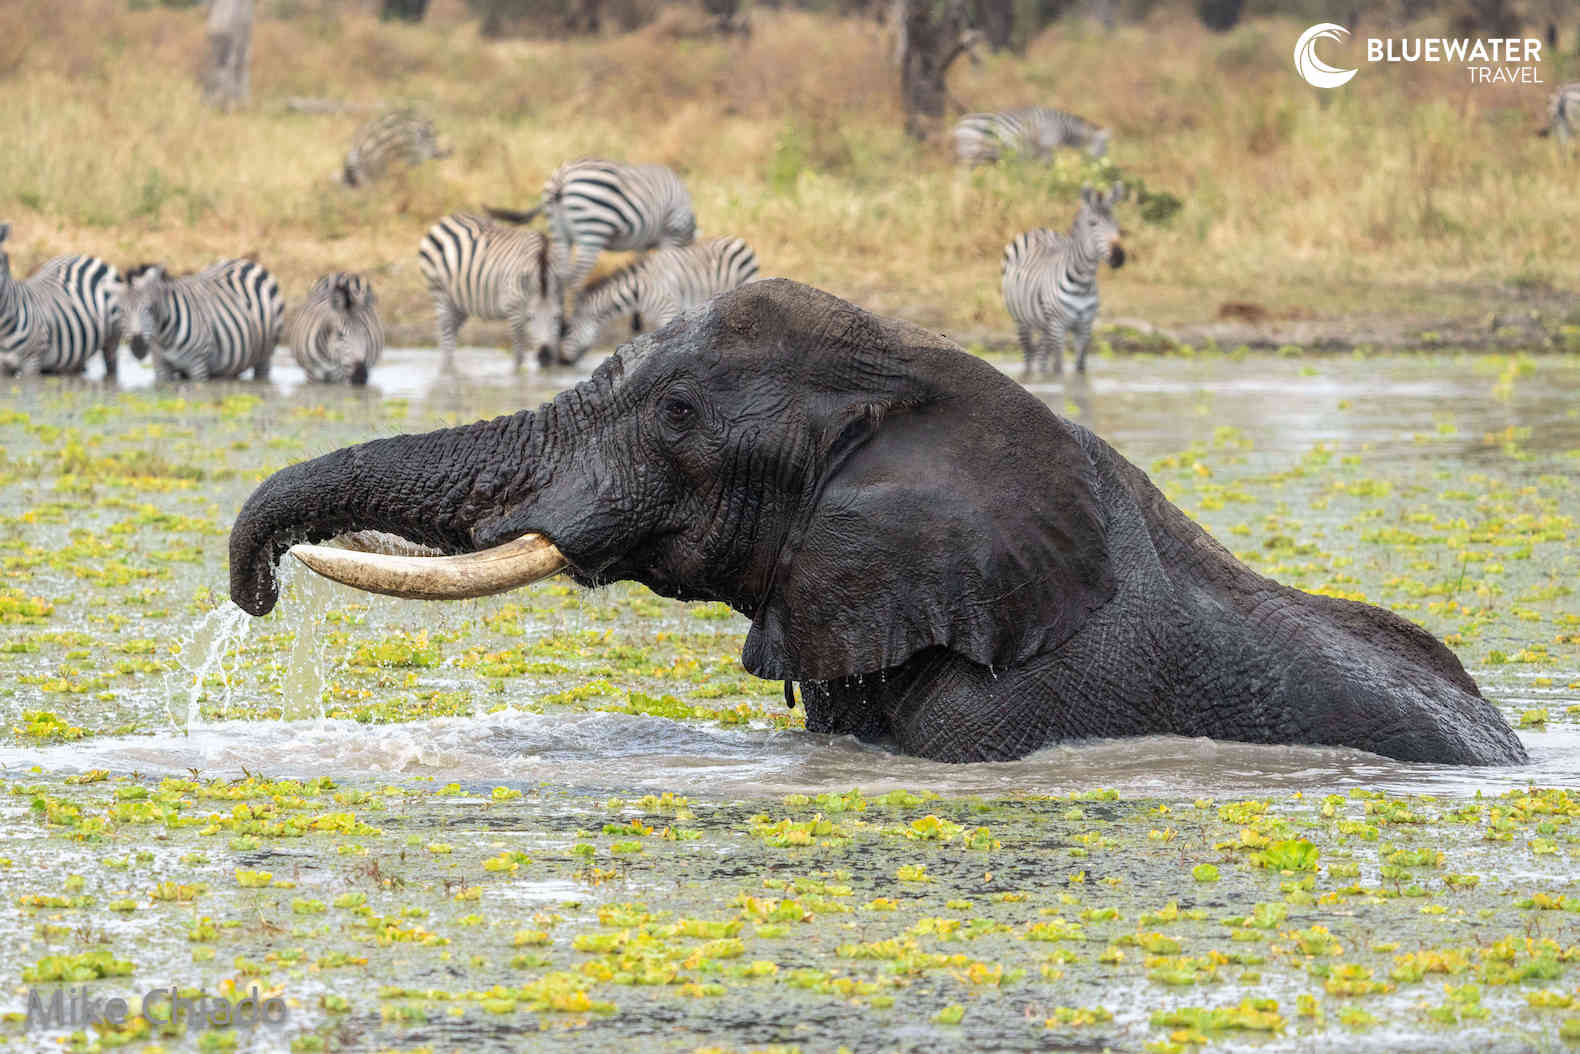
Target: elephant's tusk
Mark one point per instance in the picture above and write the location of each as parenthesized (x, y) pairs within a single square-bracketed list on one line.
[(504, 567)]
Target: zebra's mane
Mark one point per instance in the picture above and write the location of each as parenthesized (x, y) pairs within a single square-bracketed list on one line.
[(143, 268), (592, 288), (544, 265)]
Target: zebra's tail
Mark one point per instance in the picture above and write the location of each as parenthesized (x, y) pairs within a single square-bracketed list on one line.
[(512, 215)]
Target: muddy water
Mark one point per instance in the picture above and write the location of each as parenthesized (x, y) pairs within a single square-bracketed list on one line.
[(573, 814), (1415, 425)]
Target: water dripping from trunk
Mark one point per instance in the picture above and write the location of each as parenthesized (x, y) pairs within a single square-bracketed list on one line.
[(216, 634), (306, 680)]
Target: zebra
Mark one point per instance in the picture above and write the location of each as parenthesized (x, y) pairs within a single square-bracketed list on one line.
[(1563, 112), (1031, 131), (396, 137), (217, 323), (1050, 279), (657, 288), (58, 319), (475, 266), (337, 336), (593, 205)]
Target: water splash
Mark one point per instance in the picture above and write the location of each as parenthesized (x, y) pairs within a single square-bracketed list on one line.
[(306, 680), (215, 635)]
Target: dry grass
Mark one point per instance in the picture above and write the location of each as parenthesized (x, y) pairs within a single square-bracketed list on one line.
[(1408, 192)]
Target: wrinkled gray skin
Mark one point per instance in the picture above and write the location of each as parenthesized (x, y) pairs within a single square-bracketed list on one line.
[(965, 591)]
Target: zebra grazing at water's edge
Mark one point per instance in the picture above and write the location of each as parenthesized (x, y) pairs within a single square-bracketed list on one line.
[(58, 319), (218, 322), (656, 289), (395, 138), (1563, 112), (480, 268), (1050, 280), (1031, 131), (593, 205), (337, 335)]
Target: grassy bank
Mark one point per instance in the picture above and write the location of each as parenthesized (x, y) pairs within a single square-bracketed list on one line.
[(1408, 193)]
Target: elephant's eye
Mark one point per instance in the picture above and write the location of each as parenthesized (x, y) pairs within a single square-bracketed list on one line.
[(677, 412)]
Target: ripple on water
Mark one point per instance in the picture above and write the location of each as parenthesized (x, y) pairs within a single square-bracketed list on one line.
[(597, 752), (1427, 421)]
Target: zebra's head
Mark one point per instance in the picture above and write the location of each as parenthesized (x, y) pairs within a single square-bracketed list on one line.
[(357, 337), (1096, 231), (145, 305), (542, 318), (590, 309)]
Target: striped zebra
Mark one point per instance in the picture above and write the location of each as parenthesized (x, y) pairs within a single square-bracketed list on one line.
[(1563, 112), (476, 267), (337, 336), (1050, 280), (58, 319), (400, 137), (593, 205), (1031, 131), (657, 288), (217, 323)]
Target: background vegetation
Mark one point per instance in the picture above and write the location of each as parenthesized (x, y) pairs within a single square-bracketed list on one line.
[(1410, 193)]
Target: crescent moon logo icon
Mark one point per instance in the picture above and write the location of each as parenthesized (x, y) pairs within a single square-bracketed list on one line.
[(1317, 73)]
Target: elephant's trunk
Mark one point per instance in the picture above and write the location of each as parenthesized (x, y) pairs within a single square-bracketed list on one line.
[(434, 489), (458, 490)]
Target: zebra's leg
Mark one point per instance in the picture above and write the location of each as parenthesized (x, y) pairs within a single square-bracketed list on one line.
[(450, 318), (1083, 341), (518, 336), (111, 350), (200, 368), (163, 374), (1028, 346), (260, 369), (1056, 337), (579, 266)]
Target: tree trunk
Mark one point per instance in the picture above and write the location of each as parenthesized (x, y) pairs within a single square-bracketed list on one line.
[(933, 34), (728, 18), (225, 77), (1220, 16), (996, 19), (1493, 18), (897, 14), (403, 10)]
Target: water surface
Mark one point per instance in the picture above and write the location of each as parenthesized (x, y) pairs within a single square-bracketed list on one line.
[(575, 813)]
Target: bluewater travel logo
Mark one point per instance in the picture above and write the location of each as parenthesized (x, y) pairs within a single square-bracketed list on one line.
[(1495, 60), (1317, 73)]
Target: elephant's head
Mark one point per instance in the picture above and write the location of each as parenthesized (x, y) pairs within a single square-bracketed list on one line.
[(861, 488)]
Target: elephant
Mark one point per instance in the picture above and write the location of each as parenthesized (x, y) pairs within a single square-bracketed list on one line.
[(932, 577)]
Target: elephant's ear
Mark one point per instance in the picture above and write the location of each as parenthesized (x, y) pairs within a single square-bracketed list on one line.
[(970, 523)]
